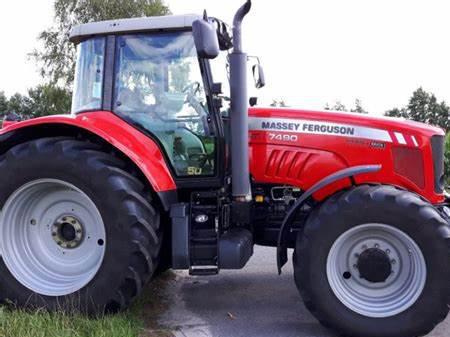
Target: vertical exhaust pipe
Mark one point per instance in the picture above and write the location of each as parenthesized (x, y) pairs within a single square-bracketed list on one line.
[(240, 173)]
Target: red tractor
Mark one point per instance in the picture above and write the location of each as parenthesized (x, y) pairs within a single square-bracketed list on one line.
[(159, 167)]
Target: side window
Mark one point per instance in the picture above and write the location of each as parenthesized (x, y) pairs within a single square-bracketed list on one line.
[(88, 87), (160, 87)]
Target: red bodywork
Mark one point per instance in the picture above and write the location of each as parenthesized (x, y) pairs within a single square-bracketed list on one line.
[(310, 155), (142, 150), (299, 157)]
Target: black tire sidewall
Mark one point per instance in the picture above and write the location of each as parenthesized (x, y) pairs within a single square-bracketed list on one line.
[(93, 181), (347, 213)]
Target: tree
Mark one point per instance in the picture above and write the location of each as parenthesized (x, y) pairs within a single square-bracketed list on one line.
[(49, 100), (3, 104), (424, 107), (41, 101), (281, 103), (396, 112), (358, 107), (57, 56), (20, 105), (339, 106)]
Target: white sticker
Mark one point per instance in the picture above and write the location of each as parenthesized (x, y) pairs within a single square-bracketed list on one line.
[(317, 127), (97, 90)]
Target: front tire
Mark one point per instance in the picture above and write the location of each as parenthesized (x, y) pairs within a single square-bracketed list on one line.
[(374, 261), (77, 231)]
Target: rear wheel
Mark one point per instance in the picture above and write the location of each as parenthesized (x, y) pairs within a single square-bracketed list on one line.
[(375, 261), (77, 232)]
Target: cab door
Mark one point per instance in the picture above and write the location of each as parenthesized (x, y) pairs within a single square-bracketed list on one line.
[(160, 88)]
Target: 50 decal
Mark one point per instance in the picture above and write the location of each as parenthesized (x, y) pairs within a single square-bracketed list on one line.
[(283, 137)]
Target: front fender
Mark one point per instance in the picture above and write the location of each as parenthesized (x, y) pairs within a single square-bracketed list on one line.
[(349, 172), (139, 148)]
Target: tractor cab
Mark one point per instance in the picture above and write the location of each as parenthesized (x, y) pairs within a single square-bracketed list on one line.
[(148, 72)]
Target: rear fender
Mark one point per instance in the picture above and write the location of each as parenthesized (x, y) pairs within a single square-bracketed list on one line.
[(139, 148)]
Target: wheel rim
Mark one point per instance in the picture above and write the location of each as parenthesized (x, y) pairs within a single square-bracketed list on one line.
[(52, 237), (358, 275)]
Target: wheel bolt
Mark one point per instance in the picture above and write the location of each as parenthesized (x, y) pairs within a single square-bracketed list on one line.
[(388, 251), (33, 222), (377, 245), (393, 261), (356, 255)]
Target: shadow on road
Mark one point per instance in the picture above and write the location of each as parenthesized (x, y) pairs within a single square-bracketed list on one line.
[(254, 302)]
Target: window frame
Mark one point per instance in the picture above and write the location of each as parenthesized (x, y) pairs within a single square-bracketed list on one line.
[(105, 44)]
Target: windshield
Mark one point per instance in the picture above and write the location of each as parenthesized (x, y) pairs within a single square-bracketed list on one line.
[(87, 94), (159, 85)]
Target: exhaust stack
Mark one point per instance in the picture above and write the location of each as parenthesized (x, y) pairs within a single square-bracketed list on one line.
[(239, 112)]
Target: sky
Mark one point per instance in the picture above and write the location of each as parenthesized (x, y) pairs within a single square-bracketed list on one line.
[(313, 52)]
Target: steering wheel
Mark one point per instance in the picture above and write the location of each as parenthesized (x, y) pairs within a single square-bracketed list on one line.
[(191, 91), (192, 88), (200, 158)]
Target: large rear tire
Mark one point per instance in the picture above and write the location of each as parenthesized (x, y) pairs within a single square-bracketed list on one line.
[(374, 261), (77, 231)]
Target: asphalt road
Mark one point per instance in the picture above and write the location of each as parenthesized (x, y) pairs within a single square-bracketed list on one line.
[(253, 302)]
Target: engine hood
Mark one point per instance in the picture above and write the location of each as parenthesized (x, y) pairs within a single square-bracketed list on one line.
[(390, 124), (301, 147)]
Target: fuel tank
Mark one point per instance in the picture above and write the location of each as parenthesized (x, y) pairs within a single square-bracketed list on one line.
[(300, 147)]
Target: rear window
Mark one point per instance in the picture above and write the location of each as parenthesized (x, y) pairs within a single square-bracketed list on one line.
[(88, 88)]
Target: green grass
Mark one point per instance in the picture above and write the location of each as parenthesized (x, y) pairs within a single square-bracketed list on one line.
[(139, 321), (41, 324)]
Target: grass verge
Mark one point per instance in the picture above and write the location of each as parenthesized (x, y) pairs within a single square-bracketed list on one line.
[(141, 320)]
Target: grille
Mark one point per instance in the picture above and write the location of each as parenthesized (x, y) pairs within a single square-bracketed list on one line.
[(437, 145), (408, 162)]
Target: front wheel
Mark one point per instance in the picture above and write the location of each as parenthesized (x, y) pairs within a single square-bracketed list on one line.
[(374, 261)]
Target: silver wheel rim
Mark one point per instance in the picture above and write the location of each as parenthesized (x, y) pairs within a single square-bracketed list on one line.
[(398, 292), (52, 237)]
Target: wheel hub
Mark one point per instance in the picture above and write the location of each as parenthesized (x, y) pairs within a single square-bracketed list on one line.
[(374, 265), (67, 232), (376, 270)]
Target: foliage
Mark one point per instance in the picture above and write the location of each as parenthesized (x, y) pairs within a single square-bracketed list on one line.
[(358, 108), (49, 100), (41, 101), (339, 106), (57, 55), (280, 103), (3, 104), (20, 105), (424, 107)]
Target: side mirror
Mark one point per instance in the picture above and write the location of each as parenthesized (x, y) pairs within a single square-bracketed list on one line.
[(258, 76), (205, 38)]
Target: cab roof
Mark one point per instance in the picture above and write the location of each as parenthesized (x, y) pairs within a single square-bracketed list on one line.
[(134, 25)]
